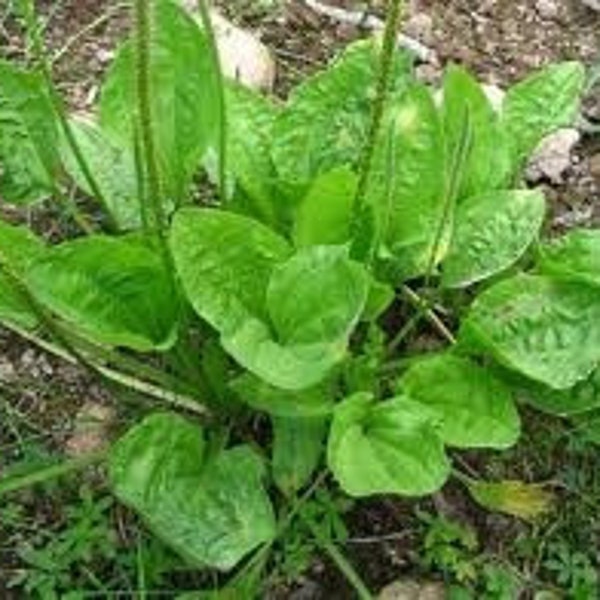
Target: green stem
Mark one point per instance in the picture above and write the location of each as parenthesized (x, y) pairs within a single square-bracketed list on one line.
[(47, 473), (148, 149), (454, 180), (424, 310), (382, 92), (217, 69), (342, 563), (59, 109), (162, 394)]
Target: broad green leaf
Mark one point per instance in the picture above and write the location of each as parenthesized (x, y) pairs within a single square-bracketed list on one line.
[(326, 120), (576, 257), (250, 120), (29, 161), (311, 402), (298, 444), (314, 300), (408, 184), (389, 447), (581, 398), (184, 106), (317, 296), (18, 248), (113, 167), (541, 104), (285, 319), (527, 501), (324, 215), (476, 409), (545, 329), (487, 166), (492, 232), (212, 510), (225, 262), (114, 290)]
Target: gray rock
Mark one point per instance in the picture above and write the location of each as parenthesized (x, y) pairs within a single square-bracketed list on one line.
[(553, 156)]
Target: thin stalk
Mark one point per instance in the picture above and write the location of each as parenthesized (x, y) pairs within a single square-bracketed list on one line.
[(424, 310), (47, 473), (147, 143), (454, 180), (154, 391), (214, 55), (342, 563), (57, 103), (382, 92), (83, 32)]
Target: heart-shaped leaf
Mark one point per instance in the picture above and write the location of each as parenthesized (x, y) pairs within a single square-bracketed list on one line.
[(212, 510), (389, 447), (476, 409)]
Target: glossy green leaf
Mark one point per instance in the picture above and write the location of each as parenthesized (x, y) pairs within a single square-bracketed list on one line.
[(113, 290), (183, 96), (250, 120), (212, 510), (326, 120), (18, 248), (29, 161), (541, 104), (408, 184), (581, 398), (314, 301), (285, 318), (487, 165), (225, 262), (545, 329), (114, 171), (317, 296), (324, 215), (575, 256), (476, 409), (381, 296), (389, 447), (310, 402), (298, 444), (492, 232)]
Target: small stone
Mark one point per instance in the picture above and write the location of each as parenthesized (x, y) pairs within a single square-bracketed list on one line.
[(593, 4), (7, 371), (420, 27), (105, 55), (90, 429), (409, 589), (547, 9), (243, 56), (552, 158)]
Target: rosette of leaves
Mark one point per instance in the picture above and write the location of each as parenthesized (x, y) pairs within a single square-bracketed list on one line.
[(268, 277)]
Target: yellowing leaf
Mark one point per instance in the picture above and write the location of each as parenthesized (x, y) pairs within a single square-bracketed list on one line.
[(527, 501)]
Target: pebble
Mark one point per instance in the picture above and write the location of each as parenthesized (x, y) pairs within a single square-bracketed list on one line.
[(547, 9), (595, 166), (553, 157), (243, 56), (409, 589)]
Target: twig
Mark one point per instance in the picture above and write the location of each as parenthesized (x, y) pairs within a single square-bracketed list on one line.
[(148, 389), (360, 19)]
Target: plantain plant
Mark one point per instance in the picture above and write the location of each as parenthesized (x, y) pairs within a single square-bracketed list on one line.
[(338, 226)]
